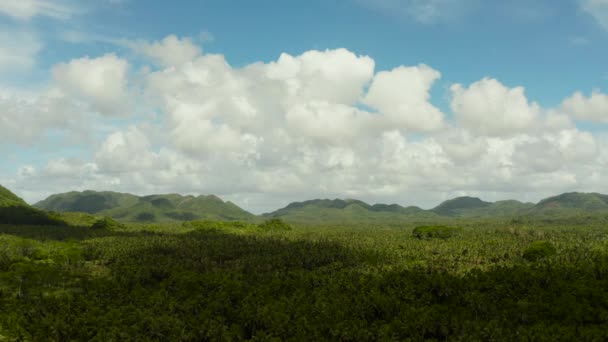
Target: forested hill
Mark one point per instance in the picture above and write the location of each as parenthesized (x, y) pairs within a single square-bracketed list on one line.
[(14, 210), (174, 207), (349, 211), (346, 211), (154, 208)]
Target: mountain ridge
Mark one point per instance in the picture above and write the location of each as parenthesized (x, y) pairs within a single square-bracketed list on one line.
[(176, 207), (148, 208)]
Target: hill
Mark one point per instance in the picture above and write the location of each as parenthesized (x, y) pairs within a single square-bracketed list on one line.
[(339, 211), (459, 206), (475, 207), (570, 204), (14, 210), (153, 208)]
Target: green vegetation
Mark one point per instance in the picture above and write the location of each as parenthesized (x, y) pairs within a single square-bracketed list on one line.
[(274, 224), (349, 212), (431, 232), (107, 224), (206, 280), (464, 277), (146, 209), (538, 250), (14, 210)]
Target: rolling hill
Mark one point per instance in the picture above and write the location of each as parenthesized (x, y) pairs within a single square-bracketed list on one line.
[(475, 207), (348, 211), (175, 207), (14, 210), (570, 204), (153, 208)]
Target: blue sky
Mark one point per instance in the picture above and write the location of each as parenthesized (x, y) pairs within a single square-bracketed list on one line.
[(553, 49)]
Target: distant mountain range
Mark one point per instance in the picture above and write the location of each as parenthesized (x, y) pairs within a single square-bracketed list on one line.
[(175, 208), (153, 208), (347, 211)]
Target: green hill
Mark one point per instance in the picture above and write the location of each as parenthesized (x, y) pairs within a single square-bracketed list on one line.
[(339, 211), (91, 202), (8, 198), (570, 204), (475, 207), (153, 208), (14, 210), (459, 206)]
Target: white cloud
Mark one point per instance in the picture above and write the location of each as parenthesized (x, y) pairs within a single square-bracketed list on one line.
[(125, 151), (327, 123), (18, 50), (598, 9), (297, 128), (402, 95), (101, 81), (592, 108), (171, 51), (333, 75), (26, 118), (27, 9), (490, 108)]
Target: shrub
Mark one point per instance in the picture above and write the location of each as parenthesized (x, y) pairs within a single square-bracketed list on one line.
[(274, 224), (107, 224), (21, 214), (215, 225), (145, 217), (440, 232), (538, 250)]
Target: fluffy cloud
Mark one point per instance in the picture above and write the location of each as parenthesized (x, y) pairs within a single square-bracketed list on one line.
[(592, 108), (402, 95), (171, 51), (598, 9), (336, 76), (490, 108), (323, 123), (27, 9), (101, 81)]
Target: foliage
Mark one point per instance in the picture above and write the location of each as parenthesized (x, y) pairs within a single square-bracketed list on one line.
[(538, 250), (151, 209), (7, 198), (274, 224), (24, 214), (107, 223), (234, 281), (430, 232)]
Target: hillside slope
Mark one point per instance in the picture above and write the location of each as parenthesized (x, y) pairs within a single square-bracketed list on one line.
[(14, 210), (153, 208), (338, 211), (570, 204)]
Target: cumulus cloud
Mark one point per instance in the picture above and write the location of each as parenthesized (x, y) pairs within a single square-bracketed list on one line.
[(490, 108), (402, 95), (27, 9), (336, 76), (592, 108), (101, 81), (170, 51), (598, 9), (319, 124)]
